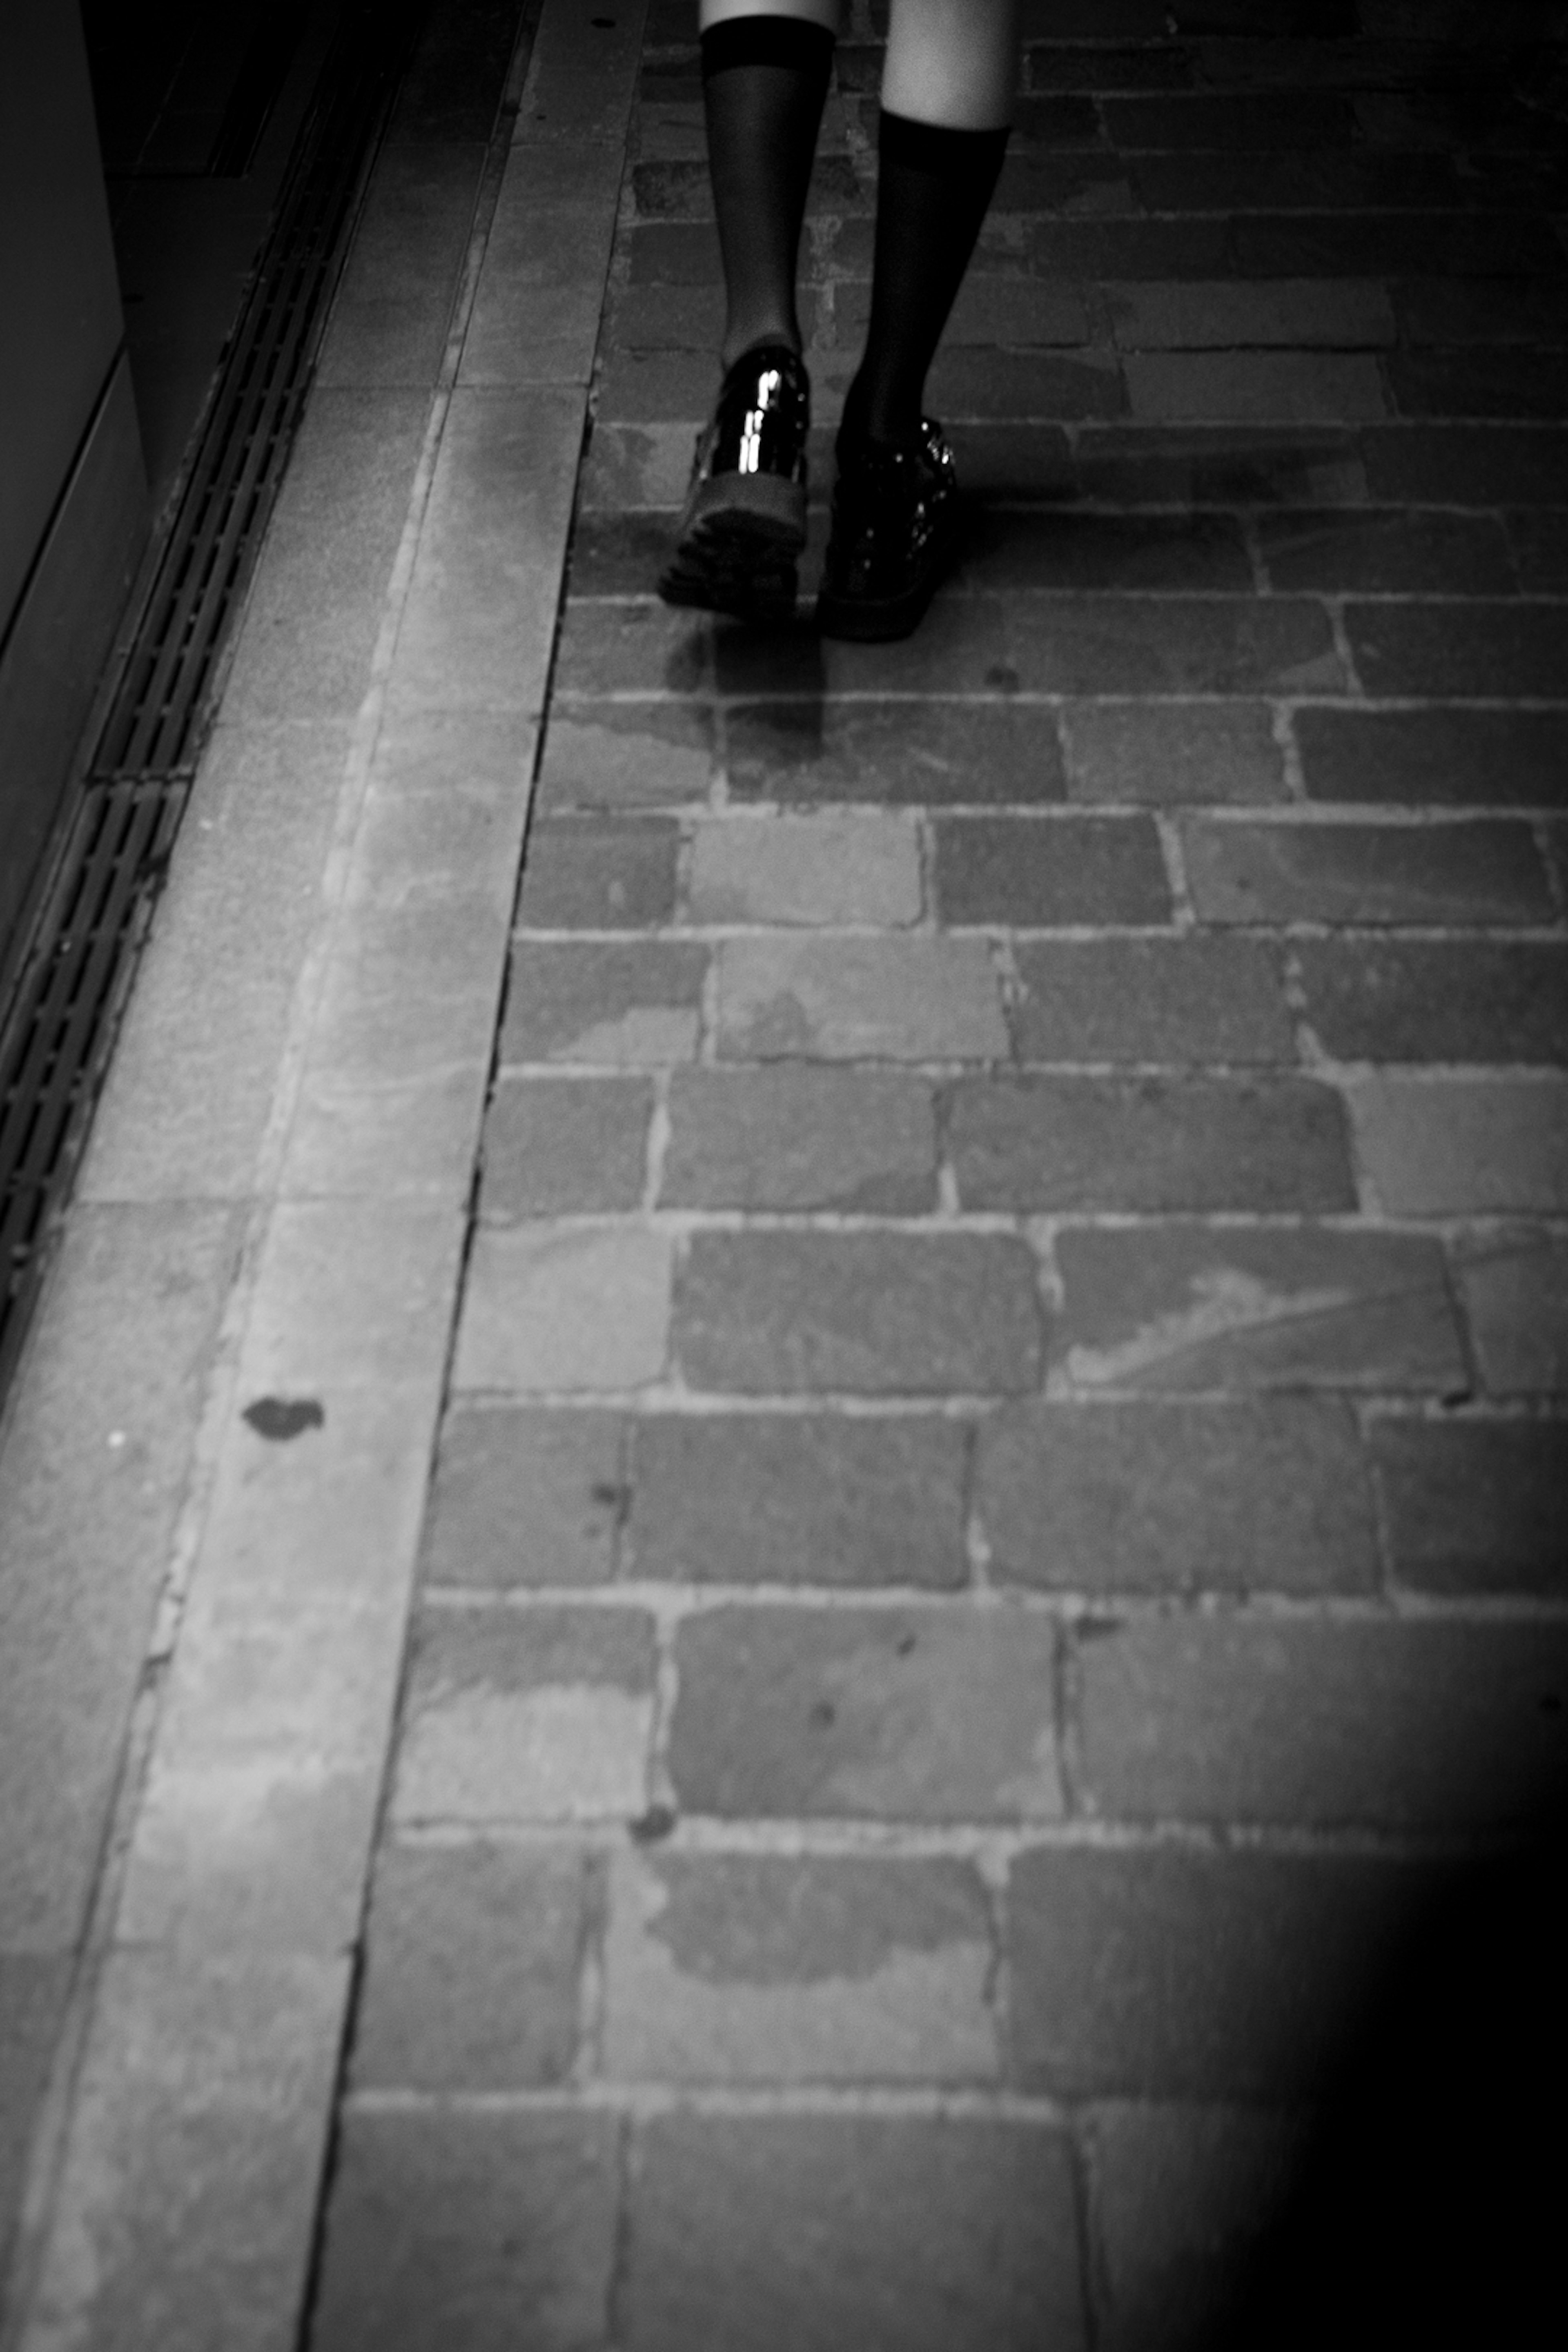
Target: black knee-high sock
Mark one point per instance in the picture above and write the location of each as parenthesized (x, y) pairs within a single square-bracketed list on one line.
[(764, 81), (934, 185)]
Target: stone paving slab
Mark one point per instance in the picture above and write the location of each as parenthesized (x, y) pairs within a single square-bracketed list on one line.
[(852, 2229), (1230, 1494), (1184, 2195), (463, 2222)]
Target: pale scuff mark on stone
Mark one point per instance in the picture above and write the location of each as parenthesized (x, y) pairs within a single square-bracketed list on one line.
[(1224, 1301), (644, 1038)]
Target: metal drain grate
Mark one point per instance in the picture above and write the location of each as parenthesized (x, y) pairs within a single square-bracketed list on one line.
[(77, 965), (102, 894), (240, 457)]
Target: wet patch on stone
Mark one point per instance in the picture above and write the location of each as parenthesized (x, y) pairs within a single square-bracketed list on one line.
[(760, 1968), (543, 1715), (280, 1418)]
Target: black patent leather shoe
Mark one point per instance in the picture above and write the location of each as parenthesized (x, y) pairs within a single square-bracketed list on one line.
[(744, 521), (895, 534)]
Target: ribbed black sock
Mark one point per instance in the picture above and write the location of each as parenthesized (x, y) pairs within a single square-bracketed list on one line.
[(935, 186), (764, 82)]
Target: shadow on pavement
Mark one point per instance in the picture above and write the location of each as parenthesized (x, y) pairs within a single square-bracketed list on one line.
[(1429, 2206)]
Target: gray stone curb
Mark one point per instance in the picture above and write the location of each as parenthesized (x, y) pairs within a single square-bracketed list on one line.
[(184, 2209)]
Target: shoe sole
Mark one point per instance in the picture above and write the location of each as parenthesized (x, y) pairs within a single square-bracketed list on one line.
[(738, 545), (873, 621), (878, 620)]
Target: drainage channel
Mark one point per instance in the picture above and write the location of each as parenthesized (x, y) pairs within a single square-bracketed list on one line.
[(76, 969)]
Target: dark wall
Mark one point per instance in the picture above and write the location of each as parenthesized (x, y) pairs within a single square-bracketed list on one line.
[(59, 294), (72, 488)]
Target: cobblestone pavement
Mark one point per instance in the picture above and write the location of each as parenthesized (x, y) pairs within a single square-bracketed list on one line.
[(998, 1403), (1000, 1493)]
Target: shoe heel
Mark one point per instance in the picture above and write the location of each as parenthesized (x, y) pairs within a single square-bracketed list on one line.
[(729, 565), (761, 508)]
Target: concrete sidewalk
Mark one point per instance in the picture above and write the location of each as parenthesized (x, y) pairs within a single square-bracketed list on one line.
[(805, 1631)]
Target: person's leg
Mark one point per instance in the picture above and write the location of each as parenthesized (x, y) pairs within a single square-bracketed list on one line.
[(948, 90), (765, 72), (765, 78), (954, 62), (947, 101)]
